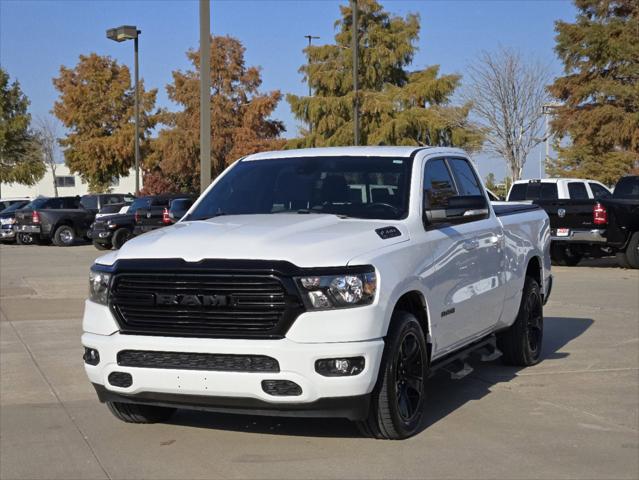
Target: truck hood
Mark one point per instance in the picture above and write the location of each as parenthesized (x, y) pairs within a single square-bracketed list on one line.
[(307, 240)]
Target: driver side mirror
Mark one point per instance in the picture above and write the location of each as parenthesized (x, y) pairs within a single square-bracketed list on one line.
[(459, 210)]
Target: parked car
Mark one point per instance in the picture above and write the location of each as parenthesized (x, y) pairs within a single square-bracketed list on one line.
[(278, 295), (61, 220), (621, 216), (7, 202), (557, 189), (158, 213), (114, 230), (569, 204), (8, 220)]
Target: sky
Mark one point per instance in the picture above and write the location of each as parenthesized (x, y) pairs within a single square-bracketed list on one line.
[(37, 36)]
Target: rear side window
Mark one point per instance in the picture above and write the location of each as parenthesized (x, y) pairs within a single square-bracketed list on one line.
[(70, 202), (90, 202), (438, 184), (467, 181), (627, 187), (518, 192), (598, 191), (577, 191)]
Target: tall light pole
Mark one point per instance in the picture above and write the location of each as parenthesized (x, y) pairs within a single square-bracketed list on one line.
[(546, 110), (310, 39), (205, 94), (121, 34), (355, 49)]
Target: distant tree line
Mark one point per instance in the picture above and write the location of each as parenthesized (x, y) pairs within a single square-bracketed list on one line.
[(595, 125)]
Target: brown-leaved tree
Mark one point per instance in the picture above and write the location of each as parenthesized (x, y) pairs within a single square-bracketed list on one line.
[(240, 122), (96, 105)]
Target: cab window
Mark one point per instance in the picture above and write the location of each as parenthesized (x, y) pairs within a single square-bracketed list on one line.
[(438, 184)]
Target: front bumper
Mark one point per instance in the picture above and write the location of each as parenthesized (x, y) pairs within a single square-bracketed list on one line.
[(7, 232), (101, 236), (581, 236), (238, 391)]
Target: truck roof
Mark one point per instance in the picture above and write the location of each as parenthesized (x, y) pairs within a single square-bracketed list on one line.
[(397, 152), (554, 180)]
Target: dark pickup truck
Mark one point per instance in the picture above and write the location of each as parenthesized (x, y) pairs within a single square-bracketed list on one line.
[(164, 210), (596, 227), (112, 231), (61, 220), (621, 211)]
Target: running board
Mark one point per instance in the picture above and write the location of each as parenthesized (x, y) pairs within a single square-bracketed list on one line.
[(456, 365)]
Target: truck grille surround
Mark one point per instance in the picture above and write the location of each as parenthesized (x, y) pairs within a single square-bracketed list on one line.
[(208, 299)]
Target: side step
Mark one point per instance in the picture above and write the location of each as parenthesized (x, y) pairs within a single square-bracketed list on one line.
[(456, 365)]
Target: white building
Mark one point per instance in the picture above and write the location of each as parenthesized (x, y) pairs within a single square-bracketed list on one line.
[(68, 183)]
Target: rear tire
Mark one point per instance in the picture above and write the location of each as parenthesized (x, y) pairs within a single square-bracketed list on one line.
[(120, 237), (64, 236), (397, 403), (564, 256), (521, 343), (99, 246), (622, 260), (632, 251), (134, 413)]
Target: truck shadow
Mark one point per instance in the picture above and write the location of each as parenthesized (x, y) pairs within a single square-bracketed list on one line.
[(444, 395)]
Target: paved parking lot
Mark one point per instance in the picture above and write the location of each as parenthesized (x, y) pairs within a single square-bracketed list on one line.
[(576, 414)]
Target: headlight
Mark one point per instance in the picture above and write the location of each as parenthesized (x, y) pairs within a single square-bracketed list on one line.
[(99, 286), (112, 225), (338, 291)]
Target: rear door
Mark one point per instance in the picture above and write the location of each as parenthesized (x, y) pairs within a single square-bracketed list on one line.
[(455, 279)]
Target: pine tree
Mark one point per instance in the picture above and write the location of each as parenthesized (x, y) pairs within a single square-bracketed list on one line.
[(240, 113), (21, 159), (96, 105), (397, 106), (599, 91)]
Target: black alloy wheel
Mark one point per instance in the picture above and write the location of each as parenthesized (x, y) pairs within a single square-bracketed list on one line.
[(409, 378)]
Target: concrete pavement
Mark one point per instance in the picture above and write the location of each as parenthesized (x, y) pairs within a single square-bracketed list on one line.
[(575, 415)]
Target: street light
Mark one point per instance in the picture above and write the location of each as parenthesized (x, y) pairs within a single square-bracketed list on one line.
[(121, 34), (547, 111)]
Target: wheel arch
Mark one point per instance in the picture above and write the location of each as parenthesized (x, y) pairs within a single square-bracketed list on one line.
[(414, 302)]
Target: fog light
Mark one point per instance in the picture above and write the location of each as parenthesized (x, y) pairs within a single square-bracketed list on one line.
[(340, 367), (91, 356)]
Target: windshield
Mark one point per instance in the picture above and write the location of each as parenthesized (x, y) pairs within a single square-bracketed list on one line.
[(360, 187), (143, 202)]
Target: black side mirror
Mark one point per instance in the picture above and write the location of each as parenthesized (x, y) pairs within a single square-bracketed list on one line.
[(459, 210)]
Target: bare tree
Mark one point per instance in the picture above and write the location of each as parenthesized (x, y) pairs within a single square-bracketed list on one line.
[(47, 134), (508, 95)]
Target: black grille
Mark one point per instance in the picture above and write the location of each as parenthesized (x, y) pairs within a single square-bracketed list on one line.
[(204, 304), (197, 361)]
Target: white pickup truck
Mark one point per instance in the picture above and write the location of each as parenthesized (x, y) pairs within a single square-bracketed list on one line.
[(320, 282)]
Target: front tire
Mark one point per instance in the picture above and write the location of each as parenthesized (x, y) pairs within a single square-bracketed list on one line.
[(64, 236), (521, 343), (100, 246), (134, 413), (397, 403), (120, 237)]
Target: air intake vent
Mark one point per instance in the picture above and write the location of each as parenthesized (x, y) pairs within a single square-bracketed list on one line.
[(197, 361), (281, 388), (120, 379)]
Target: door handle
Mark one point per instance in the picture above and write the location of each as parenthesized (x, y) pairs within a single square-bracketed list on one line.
[(470, 244)]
